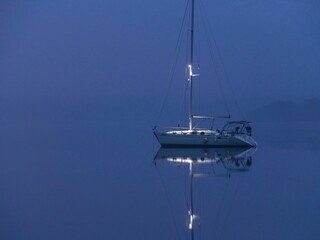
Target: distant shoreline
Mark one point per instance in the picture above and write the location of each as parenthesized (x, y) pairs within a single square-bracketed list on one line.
[(287, 111)]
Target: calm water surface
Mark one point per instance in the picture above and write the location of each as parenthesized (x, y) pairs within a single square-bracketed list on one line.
[(85, 173)]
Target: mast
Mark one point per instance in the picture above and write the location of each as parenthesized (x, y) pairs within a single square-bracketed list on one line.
[(191, 215), (191, 64)]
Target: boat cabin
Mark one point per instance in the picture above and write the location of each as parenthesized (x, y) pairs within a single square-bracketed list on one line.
[(238, 127)]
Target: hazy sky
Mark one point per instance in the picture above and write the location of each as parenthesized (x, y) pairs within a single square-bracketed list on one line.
[(98, 50)]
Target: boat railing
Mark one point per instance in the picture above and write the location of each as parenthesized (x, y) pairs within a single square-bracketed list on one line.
[(238, 127), (166, 129)]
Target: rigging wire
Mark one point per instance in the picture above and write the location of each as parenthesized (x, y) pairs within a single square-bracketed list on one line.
[(227, 78), (201, 232), (199, 53), (200, 208), (153, 152), (213, 58), (212, 45), (232, 201), (186, 205), (221, 206), (174, 64), (186, 85), (169, 203)]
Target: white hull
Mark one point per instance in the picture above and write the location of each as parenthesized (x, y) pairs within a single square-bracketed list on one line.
[(214, 139)]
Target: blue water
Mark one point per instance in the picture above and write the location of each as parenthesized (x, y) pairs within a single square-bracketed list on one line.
[(86, 172)]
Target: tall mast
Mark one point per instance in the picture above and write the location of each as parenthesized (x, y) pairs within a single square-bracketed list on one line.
[(191, 63), (191, 215)]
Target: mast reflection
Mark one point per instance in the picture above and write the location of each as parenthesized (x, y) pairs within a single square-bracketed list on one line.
[(227, 160)]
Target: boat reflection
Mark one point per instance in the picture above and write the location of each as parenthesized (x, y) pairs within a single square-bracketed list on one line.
[(232, 159), (219, 162)]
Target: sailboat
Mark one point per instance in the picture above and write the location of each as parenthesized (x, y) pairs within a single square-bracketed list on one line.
[(233, 134)]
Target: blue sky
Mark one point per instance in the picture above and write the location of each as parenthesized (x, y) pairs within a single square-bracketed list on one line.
[(61, 51)]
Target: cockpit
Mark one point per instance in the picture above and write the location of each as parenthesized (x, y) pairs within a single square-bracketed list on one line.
[(238, 127)]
